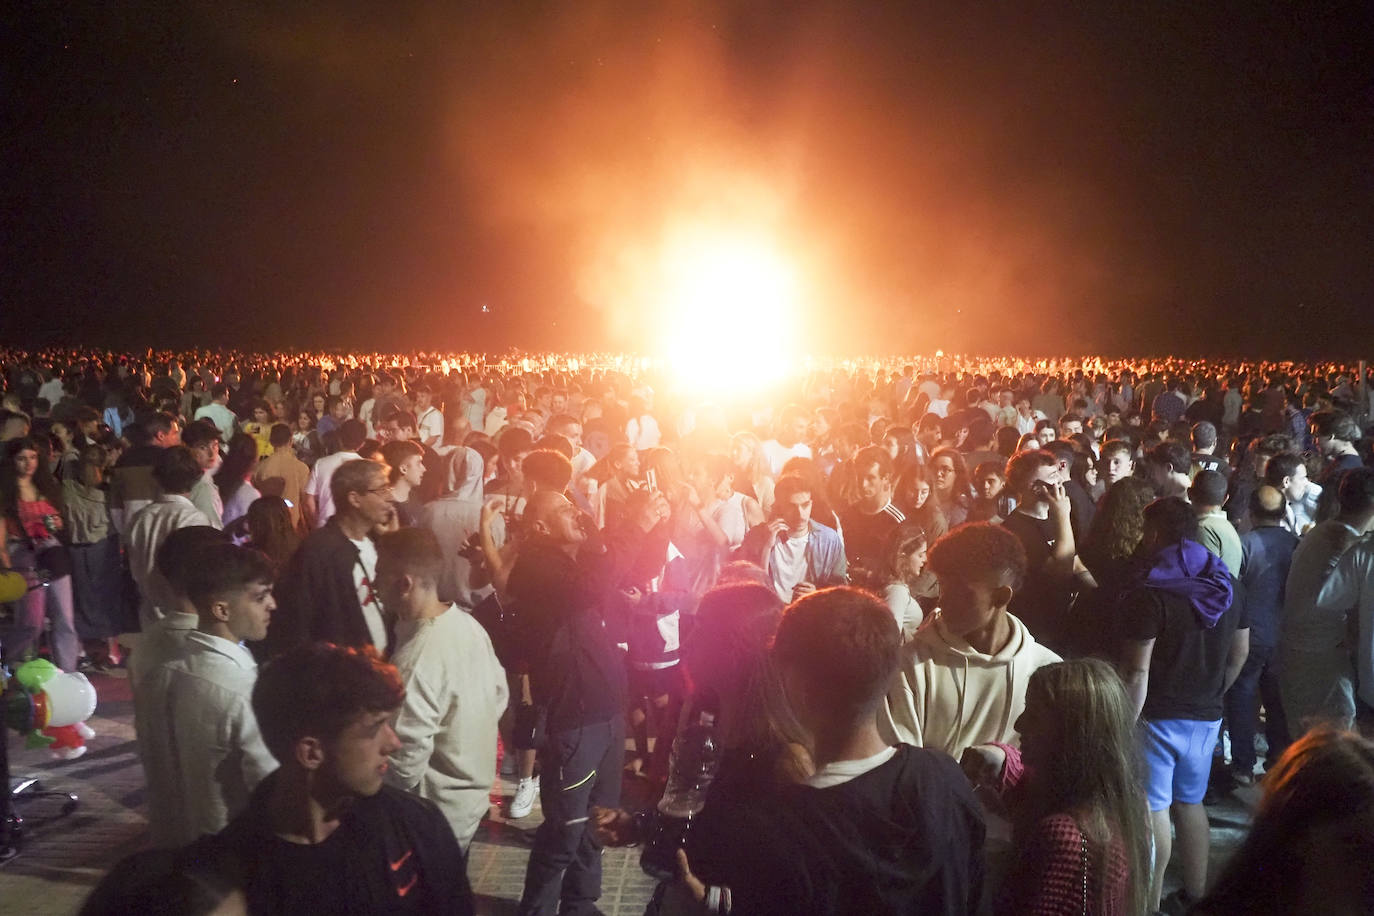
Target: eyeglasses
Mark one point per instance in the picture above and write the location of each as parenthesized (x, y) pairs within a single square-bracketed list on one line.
[(386, 488), (944, 470)]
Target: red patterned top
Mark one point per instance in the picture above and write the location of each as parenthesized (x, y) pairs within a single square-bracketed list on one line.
[(34, 519), (1047, 878)]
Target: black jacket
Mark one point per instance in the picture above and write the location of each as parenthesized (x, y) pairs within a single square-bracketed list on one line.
[(316, 598), (395, 852), (576, 671), (905, 837)]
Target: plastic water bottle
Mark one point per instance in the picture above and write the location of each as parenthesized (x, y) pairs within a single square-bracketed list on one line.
[(692, 766)]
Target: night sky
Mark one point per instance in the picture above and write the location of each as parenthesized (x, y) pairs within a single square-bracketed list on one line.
[(1118, 178)]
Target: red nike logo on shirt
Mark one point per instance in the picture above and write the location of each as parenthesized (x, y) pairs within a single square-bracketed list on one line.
[(396, 866), (402, 891)]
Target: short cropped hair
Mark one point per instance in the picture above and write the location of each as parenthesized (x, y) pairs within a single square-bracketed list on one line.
[(1204, 434), (1171, 519), (412, 552), (561, 422), (176, 470), (160, 422), (1023, 467), (180, 551), (1173, 456), (979, 552), (996, 467), (352, 434), (1280, 466), (354, 477), (1208, 489), (404, 419), (200, 432), (548, 468), (317, 690), (874, 454), (1356, 493), (552, 442), (1118, 446), (395, 454), (845, 644), (221, 569), (279, 436), (513, 441)]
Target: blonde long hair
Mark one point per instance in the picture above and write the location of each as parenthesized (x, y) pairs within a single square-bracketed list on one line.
[(1093, 770)]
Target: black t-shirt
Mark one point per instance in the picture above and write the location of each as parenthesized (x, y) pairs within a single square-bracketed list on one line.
[(1188, 664), (1042, 601), (866, 535), (392, 853), (310, 879), (905, 837)]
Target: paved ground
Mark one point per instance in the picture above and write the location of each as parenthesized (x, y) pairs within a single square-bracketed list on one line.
[(64, 857)]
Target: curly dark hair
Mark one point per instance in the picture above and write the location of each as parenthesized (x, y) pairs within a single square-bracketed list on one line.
[(977, 551), (1119, 523)]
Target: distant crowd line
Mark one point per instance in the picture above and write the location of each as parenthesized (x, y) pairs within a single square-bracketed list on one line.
[(1105, 588)]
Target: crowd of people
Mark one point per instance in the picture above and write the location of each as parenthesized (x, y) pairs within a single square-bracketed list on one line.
[(976, 635)]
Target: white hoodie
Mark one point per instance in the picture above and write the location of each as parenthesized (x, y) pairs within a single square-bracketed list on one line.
[(948, 696)]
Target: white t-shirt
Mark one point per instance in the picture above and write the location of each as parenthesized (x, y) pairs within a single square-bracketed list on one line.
[(318, 484), (787, 564), (779, 454), (643, 433), (365, 414), (431, 424), (364, 575)]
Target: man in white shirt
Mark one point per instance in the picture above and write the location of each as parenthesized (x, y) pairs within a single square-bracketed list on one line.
[(327, 591), (176, 472), (455, 688), (788, 441), (429, 419), (218, 412), (454, 518), (51, 389), (798, 554), (202, 752), (317, 502)]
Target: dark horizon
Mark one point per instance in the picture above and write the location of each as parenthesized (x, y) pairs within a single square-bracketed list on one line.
[(1190, 179)]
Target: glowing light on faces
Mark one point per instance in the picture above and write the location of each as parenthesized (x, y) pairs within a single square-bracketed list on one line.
[(728, 310)]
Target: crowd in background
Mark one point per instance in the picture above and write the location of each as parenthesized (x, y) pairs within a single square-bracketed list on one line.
[(1108, 590)]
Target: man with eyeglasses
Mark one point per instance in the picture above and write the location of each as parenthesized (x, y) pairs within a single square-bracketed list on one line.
[(326, 592)]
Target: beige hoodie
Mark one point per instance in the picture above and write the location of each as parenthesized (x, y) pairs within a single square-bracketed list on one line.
[(948, 696)]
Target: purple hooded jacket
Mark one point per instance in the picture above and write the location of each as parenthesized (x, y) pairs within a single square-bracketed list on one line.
[(1192, 571)]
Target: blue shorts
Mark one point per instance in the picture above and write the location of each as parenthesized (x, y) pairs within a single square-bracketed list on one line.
[(1178, 758)]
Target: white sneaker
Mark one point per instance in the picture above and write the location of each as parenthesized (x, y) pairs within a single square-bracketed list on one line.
[(525, 794)]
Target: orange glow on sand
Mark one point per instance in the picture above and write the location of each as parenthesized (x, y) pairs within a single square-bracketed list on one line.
[(728, 309)]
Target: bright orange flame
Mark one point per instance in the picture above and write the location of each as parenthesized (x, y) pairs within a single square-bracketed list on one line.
[(729, 310)]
